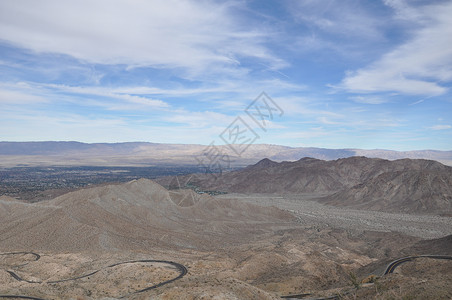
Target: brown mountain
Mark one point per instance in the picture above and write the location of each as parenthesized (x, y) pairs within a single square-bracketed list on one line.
[(401, 191), (402, 185), (136, 215)]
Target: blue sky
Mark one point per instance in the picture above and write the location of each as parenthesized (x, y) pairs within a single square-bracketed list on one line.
[(346, 73)]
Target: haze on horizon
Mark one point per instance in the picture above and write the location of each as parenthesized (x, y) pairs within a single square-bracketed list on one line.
[(345, 74)]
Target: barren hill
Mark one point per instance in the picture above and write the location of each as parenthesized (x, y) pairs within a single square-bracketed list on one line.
[(438, 246), (402, 191), (402, 185), (135, 215), (232, 248)]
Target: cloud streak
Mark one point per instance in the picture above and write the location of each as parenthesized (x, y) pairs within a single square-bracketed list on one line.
[(194, 36), (418, 66), (441, 127)]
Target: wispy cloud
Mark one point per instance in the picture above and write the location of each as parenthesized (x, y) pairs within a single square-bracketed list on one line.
[(190, 35), (346, 18), (109, 93), (417, 67), (202, 119), (404, 11), (368, 99), (8, 96), (441, 127)]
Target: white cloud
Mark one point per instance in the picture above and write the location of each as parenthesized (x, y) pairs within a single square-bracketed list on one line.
[(304, 107), (195, 36), (133, 101), (17, 97), (404, 11), (419, 67), (346, 18), (31, 125), (329, 121), (199, 119), (368, 100), (441, 127), (21, 93), (141, 100)]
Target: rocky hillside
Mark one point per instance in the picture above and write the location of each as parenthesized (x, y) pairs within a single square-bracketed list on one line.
[(402, 185), (401, 191)]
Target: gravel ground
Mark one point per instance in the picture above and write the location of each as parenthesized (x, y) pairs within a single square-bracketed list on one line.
[(311, 213)]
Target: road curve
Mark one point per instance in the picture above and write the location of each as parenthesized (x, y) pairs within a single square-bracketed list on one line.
[(183, 271), (181, 268), (36, 255), (393, 265), (389, 269)]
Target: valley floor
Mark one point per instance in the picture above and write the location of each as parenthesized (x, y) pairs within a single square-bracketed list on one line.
[(233, 246), (312, 213)]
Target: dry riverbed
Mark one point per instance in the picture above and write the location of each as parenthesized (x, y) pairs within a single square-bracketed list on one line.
[(310, 212)]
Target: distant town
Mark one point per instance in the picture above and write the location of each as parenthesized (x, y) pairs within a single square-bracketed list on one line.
[(39, 183)]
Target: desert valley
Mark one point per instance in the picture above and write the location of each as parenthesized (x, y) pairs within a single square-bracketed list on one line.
[(303, 229)]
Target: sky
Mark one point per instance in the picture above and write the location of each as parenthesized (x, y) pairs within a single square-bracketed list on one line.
[(370, 74)]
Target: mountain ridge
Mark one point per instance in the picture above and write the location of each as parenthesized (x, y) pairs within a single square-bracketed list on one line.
[(145, 153), (405, 185)]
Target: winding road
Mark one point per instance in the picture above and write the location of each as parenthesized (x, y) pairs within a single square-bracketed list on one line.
[(181, 268), (393, 265), (389, 269), (183, 271)]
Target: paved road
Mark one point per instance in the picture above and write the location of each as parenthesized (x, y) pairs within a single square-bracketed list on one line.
[(389, 269), (183, 271), (36, 255), (181, 268), (393, 265)]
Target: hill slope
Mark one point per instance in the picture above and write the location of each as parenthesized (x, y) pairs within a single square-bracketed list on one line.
[(402, 191), (135, 215)]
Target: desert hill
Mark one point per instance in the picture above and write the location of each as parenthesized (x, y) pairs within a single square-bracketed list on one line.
[(135, 215), (232, 248), (439, 246), (402, 191), (5, 198), (404, 185)]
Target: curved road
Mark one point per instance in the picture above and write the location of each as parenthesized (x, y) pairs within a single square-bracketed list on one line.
[(183, 271), (181, 268), (393, 265), (389, 269)]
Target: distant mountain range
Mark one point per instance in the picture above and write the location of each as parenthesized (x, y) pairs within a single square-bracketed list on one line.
[(147, 154), (406, 185)]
